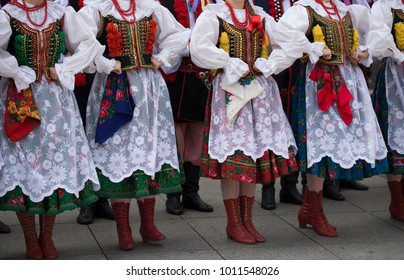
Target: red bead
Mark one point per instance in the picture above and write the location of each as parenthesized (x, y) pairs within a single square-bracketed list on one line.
[(237, 23)]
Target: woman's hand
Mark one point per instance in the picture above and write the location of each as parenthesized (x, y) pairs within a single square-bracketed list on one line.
[(360, 55), (156, 63), (53, 74), (327, 54), (117, 67)]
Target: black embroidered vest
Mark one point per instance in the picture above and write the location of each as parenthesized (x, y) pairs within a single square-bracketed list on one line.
[(130, 43), (338, 36), (243, 44), (36, 49)]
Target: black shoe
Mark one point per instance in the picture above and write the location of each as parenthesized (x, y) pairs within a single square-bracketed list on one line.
[(289, 194), (173, 204), (86, 215), (103, 209), (331, 190), (192, 200), (268, 197), (350, 184), (4, 228)]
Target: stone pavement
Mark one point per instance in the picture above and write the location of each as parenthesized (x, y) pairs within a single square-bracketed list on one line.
[(365, 229)]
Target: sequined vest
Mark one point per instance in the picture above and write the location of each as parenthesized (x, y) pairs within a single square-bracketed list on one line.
[(338, 36), (130, 43), (243, 44), (398, 16), (39, 50)]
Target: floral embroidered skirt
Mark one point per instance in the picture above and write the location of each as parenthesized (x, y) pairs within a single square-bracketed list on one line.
[(167, 180), (328, 133), (255, 125), (382, 109), (57, 202)]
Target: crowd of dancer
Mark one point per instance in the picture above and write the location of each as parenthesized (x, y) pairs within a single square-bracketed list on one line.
[(109, 100)]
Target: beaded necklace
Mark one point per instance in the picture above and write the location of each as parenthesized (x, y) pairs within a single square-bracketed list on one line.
[(237, 23), (333, 10), (28, 10), (126, 13)]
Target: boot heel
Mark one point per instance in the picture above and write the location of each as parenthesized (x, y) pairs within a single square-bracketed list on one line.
[(302, 224), (145, 239)]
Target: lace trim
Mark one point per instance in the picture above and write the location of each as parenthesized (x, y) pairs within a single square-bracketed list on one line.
[(143, 9)]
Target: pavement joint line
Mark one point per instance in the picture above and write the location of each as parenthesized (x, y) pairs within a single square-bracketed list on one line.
[(184, 219), (98, 243)]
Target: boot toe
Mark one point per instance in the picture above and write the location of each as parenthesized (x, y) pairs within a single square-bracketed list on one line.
[(174, 205), (86, 215), (196, 203), (293, 197)]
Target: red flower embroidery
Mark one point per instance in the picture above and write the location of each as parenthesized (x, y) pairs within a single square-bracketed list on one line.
[(331, 173), (119, 94), (61, 192), (13, 201)]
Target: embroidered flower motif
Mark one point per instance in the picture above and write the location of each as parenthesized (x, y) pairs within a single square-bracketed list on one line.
[(327, 143), (117, 165), (57, 174)]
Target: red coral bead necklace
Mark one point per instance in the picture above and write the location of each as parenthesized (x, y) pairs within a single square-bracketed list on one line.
[(126, 13), (28, 10), (237, 23)]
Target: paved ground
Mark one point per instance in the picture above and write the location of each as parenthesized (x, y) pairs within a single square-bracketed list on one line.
[(363, 221)]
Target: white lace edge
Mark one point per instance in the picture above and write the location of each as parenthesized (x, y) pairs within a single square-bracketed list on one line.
[(143, 9), (55, 12), (150, 173), (283, 154), (96, 187), (347, 166), (222, 11)]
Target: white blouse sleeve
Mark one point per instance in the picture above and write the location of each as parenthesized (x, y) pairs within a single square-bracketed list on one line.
[(290, 34), (81, 43), (91, 16), (278, 60), (379, 39), (206, 54), (361, 21), (23, 75), (171, 38)]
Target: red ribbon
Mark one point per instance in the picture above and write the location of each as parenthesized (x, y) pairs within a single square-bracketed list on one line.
[(256, 22), (331, 88)]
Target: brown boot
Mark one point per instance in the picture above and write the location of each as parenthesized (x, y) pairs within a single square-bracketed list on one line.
[(246, 210), (318, 220), (397, 200), (304, 216), (235, 229), (121, 213), (33, 250), (46, 223), (148, 229)]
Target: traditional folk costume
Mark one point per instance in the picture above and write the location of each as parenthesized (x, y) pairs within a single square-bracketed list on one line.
[(286, 81), (130, 124), (247, 135), (335, 126), (386, 41), (48, 166), (188, 89)]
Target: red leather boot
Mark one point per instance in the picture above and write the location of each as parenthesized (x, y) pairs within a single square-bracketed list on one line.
[(33, 250), (148, 229), (246, 210), (318, 220), (235, 229), (46, 223), (304, 215), (121, 213), (397, 200)]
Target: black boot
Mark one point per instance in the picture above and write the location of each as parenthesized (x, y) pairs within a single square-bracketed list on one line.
[(103, 209), (331, 190), (173, 204), (354, 185), (190, 196), (4, 228), (86, 215), (268, 197), (289, 192)]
